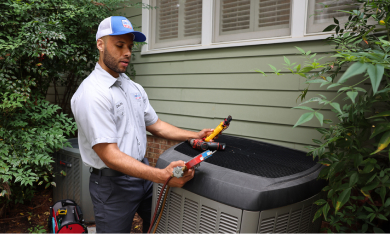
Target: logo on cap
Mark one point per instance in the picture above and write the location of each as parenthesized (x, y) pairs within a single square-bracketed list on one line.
[(126, 24)]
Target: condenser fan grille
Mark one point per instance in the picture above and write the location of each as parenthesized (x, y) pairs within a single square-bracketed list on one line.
[(256, 158)]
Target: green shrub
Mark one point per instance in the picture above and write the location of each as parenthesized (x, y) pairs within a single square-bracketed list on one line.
[(42, 43), (354, 150)]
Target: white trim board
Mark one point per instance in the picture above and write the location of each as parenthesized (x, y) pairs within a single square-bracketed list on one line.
[(298, 30)]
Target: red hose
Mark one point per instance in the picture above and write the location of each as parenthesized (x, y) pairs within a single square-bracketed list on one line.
[(158, 203)]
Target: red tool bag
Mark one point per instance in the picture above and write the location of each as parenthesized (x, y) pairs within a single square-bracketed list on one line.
[(66, 217)]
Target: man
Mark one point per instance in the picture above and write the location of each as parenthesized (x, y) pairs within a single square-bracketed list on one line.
[(112, 114)]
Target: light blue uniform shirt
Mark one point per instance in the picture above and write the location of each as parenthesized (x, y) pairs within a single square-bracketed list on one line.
[(111, 110)]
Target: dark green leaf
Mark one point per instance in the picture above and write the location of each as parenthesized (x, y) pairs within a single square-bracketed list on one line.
[(354, 179), (343, 198), (330, 28), (376, 73), (382, 114), (371, 186), (318, 214), (378, 230), (383, 143)]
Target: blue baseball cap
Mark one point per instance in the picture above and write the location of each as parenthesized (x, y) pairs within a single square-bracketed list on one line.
[(118, 25)]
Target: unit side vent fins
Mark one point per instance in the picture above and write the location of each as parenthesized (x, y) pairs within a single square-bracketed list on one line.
[(267, 225), (281, 223), (69, 191), (161, 226), (77, 182), (227, 223), (314, 226), (305, 222), (293, 226), (208, 220), (190, 216), (174, 213)]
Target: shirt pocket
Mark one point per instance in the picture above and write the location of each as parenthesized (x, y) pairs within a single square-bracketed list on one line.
[(138, 108)]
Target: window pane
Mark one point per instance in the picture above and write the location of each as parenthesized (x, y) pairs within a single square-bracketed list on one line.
[(176, 22), (322, 12), (193, 18), (168, 19), (274, 14), (235, 15), (251, 19)]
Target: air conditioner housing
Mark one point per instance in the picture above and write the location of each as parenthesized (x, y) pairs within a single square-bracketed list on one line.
[(250, 187), (75, 185)]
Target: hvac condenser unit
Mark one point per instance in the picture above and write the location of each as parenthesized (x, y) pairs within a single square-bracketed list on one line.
[(250, 187), (75, 185)]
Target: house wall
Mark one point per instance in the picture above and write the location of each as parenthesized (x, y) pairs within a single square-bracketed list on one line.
[(198, 89)]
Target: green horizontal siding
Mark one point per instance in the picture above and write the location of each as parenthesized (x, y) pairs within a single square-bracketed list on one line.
[(263, 114), (198, 89)]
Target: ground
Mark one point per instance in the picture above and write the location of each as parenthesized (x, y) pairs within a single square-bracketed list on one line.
[(22, 217)]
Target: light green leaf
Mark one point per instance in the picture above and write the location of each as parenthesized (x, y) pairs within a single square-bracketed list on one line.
[(320, 117), (352, 95), (303, 107), (336, 106), (333, 85), (286, 60), (383, 143), (316, 81), (355, 69), (300, 50), (304, 118), (376, 74)]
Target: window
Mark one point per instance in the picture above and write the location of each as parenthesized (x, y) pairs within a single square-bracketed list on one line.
[(176, 22), (321, 13), (177, 25), (249, 19)]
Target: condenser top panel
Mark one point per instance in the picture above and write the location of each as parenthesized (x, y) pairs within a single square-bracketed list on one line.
[(255, 157), (250, 175)]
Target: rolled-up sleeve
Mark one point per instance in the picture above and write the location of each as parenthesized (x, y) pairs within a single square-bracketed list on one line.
[(95, 118)]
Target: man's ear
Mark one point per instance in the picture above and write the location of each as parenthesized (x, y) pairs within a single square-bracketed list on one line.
[(100, 44)]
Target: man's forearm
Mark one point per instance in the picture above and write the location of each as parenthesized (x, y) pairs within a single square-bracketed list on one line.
[(119, 161), (168, 131)]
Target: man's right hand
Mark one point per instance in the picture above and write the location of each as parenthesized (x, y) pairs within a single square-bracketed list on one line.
[(178, 182)]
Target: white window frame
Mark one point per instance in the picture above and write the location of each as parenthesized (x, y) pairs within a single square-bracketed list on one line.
[(298, 30)]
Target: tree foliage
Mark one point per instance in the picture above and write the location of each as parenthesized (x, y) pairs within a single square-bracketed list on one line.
[(42, 43), (355, 150)]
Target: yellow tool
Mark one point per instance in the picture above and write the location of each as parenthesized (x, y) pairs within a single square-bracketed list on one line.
[(61, 211), (220, 128)]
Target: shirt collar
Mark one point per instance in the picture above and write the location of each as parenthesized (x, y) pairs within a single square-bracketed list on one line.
[(106, 78)]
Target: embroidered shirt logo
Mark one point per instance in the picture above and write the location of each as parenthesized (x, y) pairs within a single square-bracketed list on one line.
[(137, 96), (118, 105), (126, 24)]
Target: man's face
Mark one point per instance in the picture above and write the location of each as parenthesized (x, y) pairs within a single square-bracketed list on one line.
[(117, 52)]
